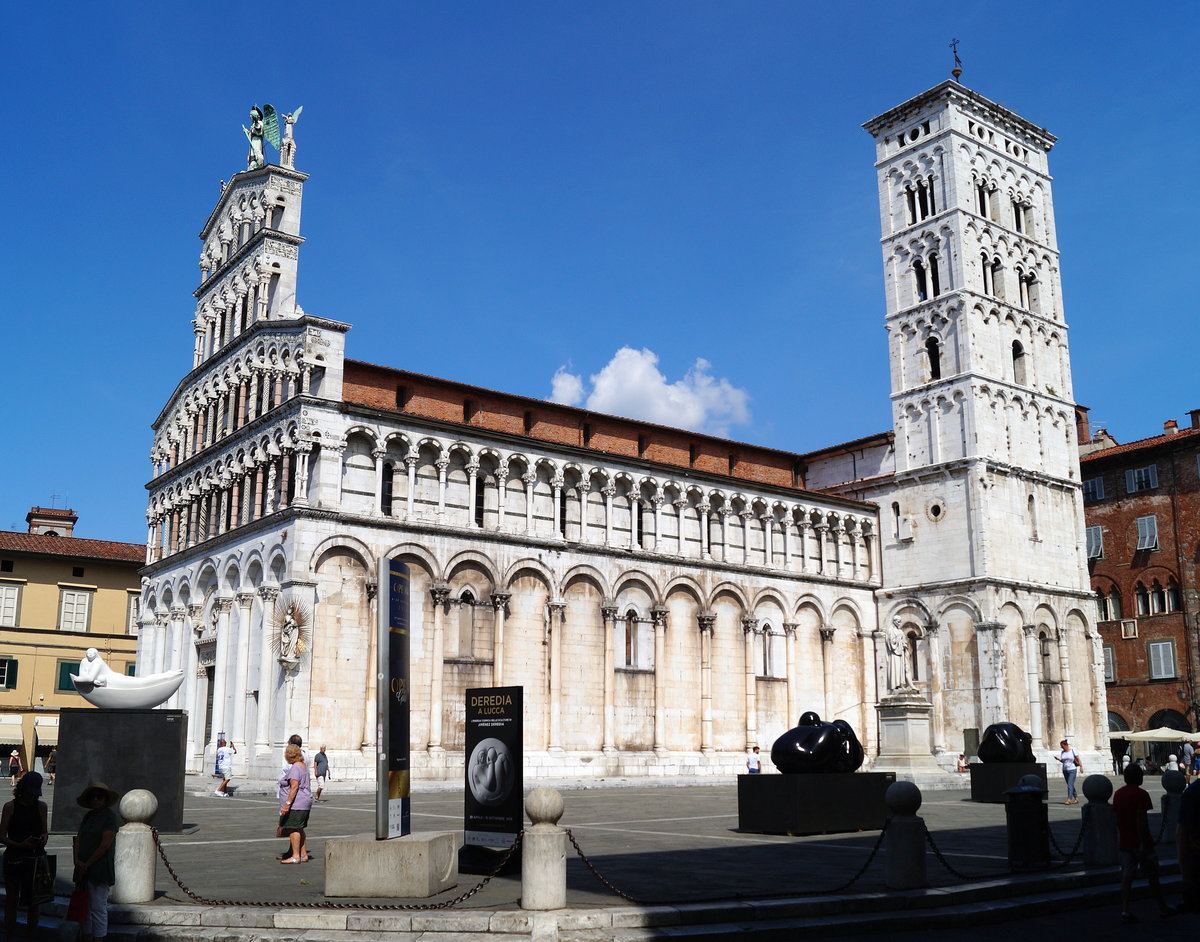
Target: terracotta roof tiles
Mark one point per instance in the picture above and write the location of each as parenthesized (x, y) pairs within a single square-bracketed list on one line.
[(37, 543), (1142, 443)]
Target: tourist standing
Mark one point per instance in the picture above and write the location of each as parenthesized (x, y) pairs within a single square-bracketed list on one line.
[(754, 762), (23, 833), (1072, 765), (321, 770), (95, 855), (225, 754), (14, 767), (52, 763), (295, 802), (1130, 806)]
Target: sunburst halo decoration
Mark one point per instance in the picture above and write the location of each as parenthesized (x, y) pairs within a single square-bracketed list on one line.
[(291, 637)]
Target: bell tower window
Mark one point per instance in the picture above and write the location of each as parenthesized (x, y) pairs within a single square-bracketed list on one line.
[(933, 352), (1018, 362)]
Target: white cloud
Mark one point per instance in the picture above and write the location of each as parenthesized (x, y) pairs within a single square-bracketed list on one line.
[(632, 385)]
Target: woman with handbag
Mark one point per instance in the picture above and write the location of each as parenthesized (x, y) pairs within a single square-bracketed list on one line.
[(1072, 765), (95, 855), (23, 832)]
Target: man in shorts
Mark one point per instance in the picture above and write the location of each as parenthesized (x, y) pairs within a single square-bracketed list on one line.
[(225, 754), (321, 772), (1136, 846)]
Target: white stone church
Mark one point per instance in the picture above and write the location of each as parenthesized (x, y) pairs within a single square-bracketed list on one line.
[(666, 599)]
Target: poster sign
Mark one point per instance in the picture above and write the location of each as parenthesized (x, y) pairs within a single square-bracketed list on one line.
[(392, 703), (493, 807)]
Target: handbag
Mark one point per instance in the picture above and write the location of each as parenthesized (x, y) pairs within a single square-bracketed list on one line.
[(45, 868), (77, 906)]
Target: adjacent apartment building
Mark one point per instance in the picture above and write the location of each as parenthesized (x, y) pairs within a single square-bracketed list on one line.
[(59, 595), (1142, 506)]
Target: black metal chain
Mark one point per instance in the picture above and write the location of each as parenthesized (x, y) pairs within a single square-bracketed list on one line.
[(736, 896), (205, 901), (941, 858), (1083, 827)]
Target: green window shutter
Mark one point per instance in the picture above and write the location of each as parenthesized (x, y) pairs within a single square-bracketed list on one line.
[(10, 678), (65, 670)]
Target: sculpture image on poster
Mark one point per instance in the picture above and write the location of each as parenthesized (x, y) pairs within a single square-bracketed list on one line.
[(493, 813)]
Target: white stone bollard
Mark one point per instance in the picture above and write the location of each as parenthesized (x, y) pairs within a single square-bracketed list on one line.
[(136, 855), (905, 839), (1100, 822), (544, 852)]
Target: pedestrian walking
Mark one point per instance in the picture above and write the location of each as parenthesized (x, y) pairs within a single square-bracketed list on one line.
[(23, 833), (295, 802), (321, 771), (225, 754), (52, 764), (1134, 841), (14, 767), (1072, 765), (95, 855), (754, 762)]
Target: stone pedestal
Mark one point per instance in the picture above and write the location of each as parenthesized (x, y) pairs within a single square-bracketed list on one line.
[(813, 803), (416, 866), (990, 780), (905, 733)]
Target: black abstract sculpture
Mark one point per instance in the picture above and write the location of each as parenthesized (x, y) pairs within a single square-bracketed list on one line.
[(816, 746), (1005, 742)]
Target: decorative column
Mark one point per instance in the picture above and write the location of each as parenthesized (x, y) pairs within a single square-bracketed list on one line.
[(609, 613), (868, 657), (501, 498), (171, 633), (472, 491), (439, 596), (656, 502), (723, 512), (936, 695), (787, 540), (746, 516), (827, 635), (499, 602), (837, 530), (635, 509), (822, 554), (680, 506), (370, 716), (768, 525), (556, 612), (443, 468), (285, 477), (529, 478), (266, 671), (221, 666), (609, 491), (303, 450), (789, 642), (272, 502), (410, 465), (658, 616), (379, 454), (750, 634), (560, 525), (1064, 676), (802, 526), (989, 646), (585, 488), (1032, 686), (241, 651), (706, 622), (703, 509)]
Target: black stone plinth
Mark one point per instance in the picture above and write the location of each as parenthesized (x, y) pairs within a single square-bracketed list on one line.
[(990, 780), (125, 749), (813, 803)]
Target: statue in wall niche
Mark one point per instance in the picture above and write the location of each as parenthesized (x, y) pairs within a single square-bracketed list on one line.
[(291, 638), (899, 672), (817, 746), (101, 686), (1005, 742)]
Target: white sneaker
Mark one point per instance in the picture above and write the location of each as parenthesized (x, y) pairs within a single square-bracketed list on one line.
[(221, 794)]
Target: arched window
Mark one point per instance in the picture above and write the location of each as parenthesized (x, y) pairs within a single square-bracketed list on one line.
[(766, 651), (1173, 604), (466, 624), (914, 660), (922, 282), (386, 498), (480, 490), (895, 520), (562, 512), (935, 281), (1158, 598), (934, 353), (1114, 604), (636, 510), (985, 273), (1102, 607), (631, 632), (1018, 362), (1032, 515), (997, 279), (1046, 648), (1143, 599)]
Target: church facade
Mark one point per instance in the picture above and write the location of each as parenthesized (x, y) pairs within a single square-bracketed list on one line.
[(666, 599)]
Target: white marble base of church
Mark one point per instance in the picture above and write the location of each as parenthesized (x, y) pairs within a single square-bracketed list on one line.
[(905, 736), (417, 865)]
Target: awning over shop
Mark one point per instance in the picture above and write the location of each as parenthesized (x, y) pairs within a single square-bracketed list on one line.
[(45, 728), (11, 733), (1162, 734)]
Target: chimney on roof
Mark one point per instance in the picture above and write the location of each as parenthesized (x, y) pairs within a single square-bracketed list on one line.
[(1195, 414), (1170, 427), (1082, 434), (50, 521)]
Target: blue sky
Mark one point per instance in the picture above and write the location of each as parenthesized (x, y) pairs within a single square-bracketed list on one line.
[(505, 192)]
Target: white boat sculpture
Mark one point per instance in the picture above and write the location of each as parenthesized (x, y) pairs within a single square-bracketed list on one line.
[(101, 686)]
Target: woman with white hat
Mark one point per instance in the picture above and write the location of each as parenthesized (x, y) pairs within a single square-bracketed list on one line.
[(95, 854), (14, 766)]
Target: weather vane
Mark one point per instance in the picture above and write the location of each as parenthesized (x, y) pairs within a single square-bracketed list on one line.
[(957, 70), (264, 123)]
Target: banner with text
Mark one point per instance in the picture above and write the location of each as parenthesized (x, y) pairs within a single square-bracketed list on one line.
[(493, 806), (392, 700)]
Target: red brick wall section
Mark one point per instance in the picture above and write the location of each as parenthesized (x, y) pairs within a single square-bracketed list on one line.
[(1176, 503), (376, 387)]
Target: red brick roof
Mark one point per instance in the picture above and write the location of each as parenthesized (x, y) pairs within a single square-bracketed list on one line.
[(39, 543), (1142, 443)]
